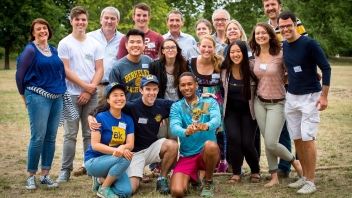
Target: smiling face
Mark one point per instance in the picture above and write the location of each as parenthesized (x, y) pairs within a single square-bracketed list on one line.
[(261, 36), (233, 32), (135, 45), (236, 54), (174, 23), (188, 87), (220, 20), (272, 9), (169, 49), (116, 99), (79, 23), (141, 18), (288, 29), (202, 29), (149, 93), (109, 21), (40, 32), (206, 48)]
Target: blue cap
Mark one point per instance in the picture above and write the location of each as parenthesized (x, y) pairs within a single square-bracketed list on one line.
[(113, 85), (148, 79)]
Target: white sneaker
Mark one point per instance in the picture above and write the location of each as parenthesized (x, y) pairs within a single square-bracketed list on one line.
[(308, 188), (299, 183)]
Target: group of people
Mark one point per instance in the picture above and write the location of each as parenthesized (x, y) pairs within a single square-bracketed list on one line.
[(138, 95)]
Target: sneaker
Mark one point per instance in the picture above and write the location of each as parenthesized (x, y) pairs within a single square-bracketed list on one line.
[(208, 189), (96, 185), (31, 185), (162, 186), (222, 167), (64, 176), (106, 193), (308, 188), (47, 181), (299, 183), (80, 171)]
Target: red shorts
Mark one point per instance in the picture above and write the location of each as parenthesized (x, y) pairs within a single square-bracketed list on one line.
[(191, 165)]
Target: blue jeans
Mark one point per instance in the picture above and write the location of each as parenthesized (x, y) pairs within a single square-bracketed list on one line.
[(114, 166), (71, 131), (44, 117)]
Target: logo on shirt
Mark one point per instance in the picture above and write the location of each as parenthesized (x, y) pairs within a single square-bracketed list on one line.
[(158, 117), (88, 57)]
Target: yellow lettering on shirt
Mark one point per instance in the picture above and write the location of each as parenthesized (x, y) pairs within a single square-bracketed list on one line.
[(118, 136)]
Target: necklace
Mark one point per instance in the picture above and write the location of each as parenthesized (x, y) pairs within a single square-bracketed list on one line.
[(47, 50)]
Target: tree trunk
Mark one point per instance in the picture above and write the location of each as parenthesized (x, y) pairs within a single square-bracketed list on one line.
[(7, 57)]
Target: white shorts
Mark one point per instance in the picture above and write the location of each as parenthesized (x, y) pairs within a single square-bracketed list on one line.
[(144, 157), (302, 117)]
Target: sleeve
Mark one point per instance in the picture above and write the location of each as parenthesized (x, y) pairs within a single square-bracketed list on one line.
[(320, 59), (130, 125), (176, 121), (63, 50), (24, 62), (215, 117), (115, 75), (99, 53), (300, 28), (167, 105), (122, 49), (128, 108), (99, 119)]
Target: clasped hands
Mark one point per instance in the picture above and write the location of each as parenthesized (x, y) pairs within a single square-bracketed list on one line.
[(122, 152), (195, 127)]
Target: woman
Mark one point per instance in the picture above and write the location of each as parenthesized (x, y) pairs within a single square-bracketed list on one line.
[(269, 103), (206, 68), (239, 87), (203, 27), (109, 154), (234, 31), (40, 79)]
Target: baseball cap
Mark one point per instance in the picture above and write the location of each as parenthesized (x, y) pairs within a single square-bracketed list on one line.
[(113, 85), (148, 79)]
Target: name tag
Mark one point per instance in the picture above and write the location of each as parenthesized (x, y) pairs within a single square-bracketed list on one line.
[(297, 69), (145, 66), (142, 120), (122, 125), (216, 76), (262, 67), (151, 45)]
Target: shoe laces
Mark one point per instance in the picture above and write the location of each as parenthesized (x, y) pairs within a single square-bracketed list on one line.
[(207, 185), (47, 180), (163, 182), (31, 180)]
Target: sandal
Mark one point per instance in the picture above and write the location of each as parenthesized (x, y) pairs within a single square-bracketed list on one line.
[(234, 179), (255, 179), (146, 179)]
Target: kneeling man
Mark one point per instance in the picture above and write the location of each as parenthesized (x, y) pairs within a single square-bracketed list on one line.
[(194, 120)]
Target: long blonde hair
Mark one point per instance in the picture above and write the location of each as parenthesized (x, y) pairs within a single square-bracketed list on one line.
[(215, 58)]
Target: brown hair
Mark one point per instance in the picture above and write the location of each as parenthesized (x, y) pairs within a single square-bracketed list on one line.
[(40, 21), (77, 11), (279, 1), (274, 43), (206, 23), (142, 6), (215, 58)]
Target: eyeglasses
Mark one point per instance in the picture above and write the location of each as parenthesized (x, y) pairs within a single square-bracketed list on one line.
[(220, 20), (169, 48), (281, 27)]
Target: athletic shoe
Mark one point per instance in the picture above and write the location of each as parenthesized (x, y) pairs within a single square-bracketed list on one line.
[(208, 189), (48, 182), (31, 185), (299, 183), (222, 167), (162, 186), (80, 171), (308, 188), (96, 185), (106, 192), (64, 176)]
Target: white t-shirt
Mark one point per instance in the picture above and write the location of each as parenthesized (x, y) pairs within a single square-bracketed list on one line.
[(82, 57)]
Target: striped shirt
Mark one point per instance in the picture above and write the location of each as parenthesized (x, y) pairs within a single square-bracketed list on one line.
[(300, 29)]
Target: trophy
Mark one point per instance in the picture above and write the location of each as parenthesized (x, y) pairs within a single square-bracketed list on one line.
[(196, 113)]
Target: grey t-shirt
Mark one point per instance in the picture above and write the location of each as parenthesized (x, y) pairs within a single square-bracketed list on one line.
[(129, 74), (171, 91)]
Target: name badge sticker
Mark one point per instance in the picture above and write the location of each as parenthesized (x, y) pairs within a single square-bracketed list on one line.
[(145, 66), (262, 67), (122, 125), (142, 120), (216, 76), (297, 69), (151, 45)]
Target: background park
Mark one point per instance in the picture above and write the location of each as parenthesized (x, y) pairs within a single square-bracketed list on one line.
[(328, 22)]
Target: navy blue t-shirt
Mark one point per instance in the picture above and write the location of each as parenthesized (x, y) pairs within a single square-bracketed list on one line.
[(147, 120), (301, 59)]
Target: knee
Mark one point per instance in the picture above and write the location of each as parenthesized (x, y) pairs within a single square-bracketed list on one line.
[(177, 191), (171, 145), (270, 145), (211, 147)]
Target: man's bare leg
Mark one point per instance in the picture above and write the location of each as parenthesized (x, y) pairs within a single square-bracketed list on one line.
[(179, 184), (311, 151), (211, 153), (168, 154), (134, 183)]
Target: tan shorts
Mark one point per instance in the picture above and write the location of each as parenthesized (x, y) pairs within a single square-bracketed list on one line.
[(302, 117), (144, 157)]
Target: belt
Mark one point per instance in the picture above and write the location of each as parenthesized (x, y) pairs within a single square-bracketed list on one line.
[(270, 100), (104, 83)]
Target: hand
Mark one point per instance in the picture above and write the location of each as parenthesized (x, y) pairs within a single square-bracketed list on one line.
[(162, 123), (207, 95), (286, 78), (24, 99), (319, 76), (190, 129), (119, 151), (322, 103), (91, 88), (202, 127), (128, 154), (93, 124), (83, 98)]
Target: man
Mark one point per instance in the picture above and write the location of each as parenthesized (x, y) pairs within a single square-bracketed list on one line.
[(272, 9), (305, 96), (147, 112), (130, 69), (83, 60), (198, 147), (109, 38), (220, 18), (175, 22), (141, 17)]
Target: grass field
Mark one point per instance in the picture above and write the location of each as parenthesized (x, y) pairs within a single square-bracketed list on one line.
[(333, 175)]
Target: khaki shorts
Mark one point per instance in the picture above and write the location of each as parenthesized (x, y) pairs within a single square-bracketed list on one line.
[(302, 117), (144, 157)]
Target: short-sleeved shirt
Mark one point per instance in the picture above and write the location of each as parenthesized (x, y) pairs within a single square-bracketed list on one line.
[(185, 41), (113, 132), (82, 57)]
